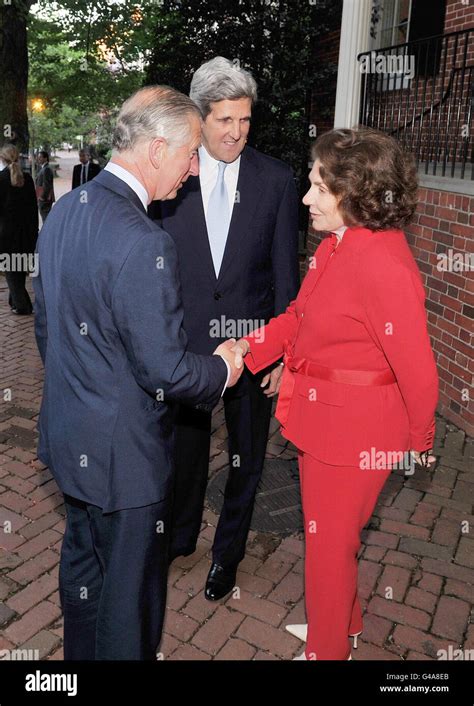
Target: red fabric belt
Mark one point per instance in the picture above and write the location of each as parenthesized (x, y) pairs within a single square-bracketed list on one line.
[(347, 377), (303, 366)]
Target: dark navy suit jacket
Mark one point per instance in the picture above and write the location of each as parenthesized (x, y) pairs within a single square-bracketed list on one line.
[(259, 274), (109, 329)]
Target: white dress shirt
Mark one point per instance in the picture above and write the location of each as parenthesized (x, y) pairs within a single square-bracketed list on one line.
[(131, 180), (340, 232), (85, 172), (208, 169), (142, 194)]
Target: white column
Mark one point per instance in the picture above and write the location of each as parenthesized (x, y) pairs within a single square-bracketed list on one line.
[(355, 35)]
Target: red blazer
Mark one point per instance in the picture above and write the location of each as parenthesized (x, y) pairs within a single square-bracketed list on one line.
[(360, 307)]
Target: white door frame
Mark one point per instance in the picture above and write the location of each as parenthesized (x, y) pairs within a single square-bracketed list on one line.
[(355, 38)]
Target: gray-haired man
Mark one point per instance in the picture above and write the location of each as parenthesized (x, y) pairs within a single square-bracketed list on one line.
[(235, 226), (109, 330)]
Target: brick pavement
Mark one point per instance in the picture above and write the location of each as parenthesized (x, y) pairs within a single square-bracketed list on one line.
[(416, 562)]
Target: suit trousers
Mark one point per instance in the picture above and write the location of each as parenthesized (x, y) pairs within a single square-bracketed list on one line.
[(247, 415), (112, 581), (338, 501), (19, 298), (44, 209)]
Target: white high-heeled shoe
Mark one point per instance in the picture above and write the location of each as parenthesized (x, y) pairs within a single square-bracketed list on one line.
[(355, 635), (302, 656), (298, 630), (301, 632)]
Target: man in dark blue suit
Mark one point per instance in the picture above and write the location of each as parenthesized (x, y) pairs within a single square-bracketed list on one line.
[(236, 229), (109, 330)]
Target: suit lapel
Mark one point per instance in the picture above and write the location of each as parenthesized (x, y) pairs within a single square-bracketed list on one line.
[(195, 218), (321, 260), (249, 187), (324, 254)]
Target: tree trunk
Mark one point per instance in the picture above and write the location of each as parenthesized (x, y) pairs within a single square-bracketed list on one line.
[(14, 72)]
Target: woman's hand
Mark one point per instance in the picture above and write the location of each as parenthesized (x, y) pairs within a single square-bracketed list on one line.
[(240, 349), (274, 378), (423, 458)]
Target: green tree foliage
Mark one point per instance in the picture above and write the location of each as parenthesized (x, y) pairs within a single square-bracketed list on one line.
[(85, 59), (274, 39), (14, 72), (86, 54)]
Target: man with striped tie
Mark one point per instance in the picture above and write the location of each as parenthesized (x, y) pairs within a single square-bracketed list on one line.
[(236, 229)]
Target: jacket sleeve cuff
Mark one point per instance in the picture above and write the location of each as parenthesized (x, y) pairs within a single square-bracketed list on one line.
[(256, 359), (422, 442), (228, 374)]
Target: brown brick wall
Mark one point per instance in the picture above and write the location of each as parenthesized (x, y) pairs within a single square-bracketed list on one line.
[(323, 94), (444, 224), (458, 16)]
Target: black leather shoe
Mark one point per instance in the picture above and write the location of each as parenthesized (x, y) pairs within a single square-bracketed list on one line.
[(219, 582), (21, 313)]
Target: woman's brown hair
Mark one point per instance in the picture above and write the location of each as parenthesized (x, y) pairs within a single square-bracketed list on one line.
[(11, 157), (374, 179)]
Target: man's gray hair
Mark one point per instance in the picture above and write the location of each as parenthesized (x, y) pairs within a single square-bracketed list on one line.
[(219, 79), (154, 111)]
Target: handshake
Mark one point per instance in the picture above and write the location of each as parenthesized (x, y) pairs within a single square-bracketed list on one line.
[(233, 352)]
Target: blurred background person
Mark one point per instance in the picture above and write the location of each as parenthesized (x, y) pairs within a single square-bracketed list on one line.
[(18, 225), (85, 171), (44, 185)]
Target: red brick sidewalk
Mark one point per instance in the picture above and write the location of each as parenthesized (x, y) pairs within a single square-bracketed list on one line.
[(418, 544)]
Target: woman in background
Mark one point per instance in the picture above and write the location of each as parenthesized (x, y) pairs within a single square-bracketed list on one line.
[(18, 226)]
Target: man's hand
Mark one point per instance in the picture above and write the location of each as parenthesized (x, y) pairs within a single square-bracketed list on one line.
[(274, 378), (226, 351), (241, 348)]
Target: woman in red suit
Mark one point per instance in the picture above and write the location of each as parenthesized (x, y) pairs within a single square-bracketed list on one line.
[(359, 386)]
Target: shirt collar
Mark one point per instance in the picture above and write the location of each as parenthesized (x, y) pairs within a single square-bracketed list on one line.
[(209, 164), (340, 232), (129, 179)]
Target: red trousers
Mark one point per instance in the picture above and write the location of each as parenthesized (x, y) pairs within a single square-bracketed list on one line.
[(338, 501)]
